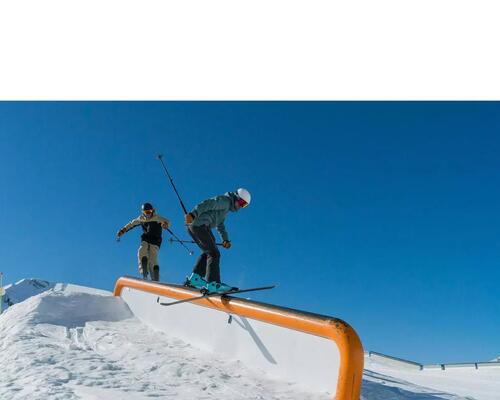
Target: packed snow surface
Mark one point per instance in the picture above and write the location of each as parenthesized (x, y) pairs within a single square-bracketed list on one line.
[(393, 383), (66, 344), (60, 341)]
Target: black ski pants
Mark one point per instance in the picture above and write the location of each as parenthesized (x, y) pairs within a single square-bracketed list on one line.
[(207, 265)]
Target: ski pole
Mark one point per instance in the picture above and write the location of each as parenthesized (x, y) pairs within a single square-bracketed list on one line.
[(180, 241), (160, 157), (187, 241)]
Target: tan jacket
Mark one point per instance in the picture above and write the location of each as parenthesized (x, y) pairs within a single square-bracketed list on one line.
[(141, 219), (151, 227)]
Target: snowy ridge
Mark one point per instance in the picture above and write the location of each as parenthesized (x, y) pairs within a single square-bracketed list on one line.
[(71, 342), (24, 289)]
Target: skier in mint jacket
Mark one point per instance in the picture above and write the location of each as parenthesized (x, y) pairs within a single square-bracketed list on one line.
[(200, 221)]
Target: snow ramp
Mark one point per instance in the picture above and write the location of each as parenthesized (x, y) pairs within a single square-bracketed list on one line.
[(321, 353)]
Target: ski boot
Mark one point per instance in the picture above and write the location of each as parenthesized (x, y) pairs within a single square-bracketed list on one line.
[(218, 287), (155, 276), (195, 281)]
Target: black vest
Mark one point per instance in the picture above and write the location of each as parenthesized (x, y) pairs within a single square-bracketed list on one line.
[(152, 233)]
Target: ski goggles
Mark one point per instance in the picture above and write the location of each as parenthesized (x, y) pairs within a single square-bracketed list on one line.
[(148, 212), (242, 203)]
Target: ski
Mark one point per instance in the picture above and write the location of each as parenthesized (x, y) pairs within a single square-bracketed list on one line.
[(206, 295)]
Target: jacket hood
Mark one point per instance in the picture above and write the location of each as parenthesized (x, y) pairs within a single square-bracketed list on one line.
[(233, 196)]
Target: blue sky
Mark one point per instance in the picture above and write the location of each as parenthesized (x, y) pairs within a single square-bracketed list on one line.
[(383, 214)]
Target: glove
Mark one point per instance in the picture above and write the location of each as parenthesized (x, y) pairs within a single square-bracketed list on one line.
[(226, 244), (164, 225), (189, 218), (121, 232)]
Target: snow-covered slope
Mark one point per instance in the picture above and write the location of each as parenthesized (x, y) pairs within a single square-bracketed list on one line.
[(66, 344), (64, 341), (466, 383)]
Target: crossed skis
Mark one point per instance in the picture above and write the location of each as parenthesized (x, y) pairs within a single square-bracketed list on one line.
[(206, 295)]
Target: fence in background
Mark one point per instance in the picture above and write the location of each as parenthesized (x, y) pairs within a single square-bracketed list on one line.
[(399, 362)]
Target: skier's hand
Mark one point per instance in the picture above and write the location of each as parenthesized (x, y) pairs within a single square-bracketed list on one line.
[(226, 244), (165, 225), (189, 218), (121, 232)]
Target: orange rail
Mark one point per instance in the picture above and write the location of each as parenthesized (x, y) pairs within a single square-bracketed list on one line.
[(347, 340)]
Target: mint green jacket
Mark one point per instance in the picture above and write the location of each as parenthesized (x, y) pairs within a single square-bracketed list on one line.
[(212, 212)]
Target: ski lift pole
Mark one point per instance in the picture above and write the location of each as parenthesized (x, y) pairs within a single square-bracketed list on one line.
[(180, 241), (160, 157)]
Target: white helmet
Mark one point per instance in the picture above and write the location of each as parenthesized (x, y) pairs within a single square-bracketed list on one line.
[(244, 195)]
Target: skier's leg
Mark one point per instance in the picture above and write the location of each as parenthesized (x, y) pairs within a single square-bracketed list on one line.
[(144, 267), (214, 284), (149, 265), (200, 267), (156, 273), (153, 258), (142, 256), (213, 261), (198, 233)]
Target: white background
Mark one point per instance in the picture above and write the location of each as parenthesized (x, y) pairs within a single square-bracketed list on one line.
[(230, 49)]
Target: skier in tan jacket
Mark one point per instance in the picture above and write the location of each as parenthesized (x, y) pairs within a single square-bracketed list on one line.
[(152, 225)]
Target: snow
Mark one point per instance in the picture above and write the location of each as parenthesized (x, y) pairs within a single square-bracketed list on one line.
[(467, 383), (62, 341), (66, 344), (25, 288)]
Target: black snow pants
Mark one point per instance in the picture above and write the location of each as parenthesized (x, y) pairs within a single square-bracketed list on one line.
[(207, 265)]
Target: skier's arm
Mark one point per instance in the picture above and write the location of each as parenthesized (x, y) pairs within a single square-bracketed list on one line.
[(221, 228), (132, 224), (215, 204), (165, 223)]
